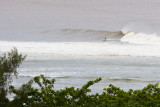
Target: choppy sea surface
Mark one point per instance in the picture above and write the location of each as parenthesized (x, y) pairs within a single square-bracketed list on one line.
[(76, 41)]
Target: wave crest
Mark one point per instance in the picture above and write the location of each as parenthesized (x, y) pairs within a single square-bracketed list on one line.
[(141, 38), (141, 33)]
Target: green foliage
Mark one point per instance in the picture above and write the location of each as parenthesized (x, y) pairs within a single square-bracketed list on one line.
[(47, 96), (8, 65), (111, 97)]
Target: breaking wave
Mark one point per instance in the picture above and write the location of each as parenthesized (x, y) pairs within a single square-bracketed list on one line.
[(87, 42), (134, 37), (141, 33), (141, 38)]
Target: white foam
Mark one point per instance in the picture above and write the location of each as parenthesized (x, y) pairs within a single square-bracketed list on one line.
[(47, 72), (37, 49), (141, 38), (141, 33)]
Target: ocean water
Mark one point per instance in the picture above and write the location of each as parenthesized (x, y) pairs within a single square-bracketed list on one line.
[(75, 41)]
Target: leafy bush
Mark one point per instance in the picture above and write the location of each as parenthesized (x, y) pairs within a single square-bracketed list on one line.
[(111, 97), (47, 96)]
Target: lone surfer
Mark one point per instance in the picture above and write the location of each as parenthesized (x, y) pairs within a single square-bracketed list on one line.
[(105, 39)]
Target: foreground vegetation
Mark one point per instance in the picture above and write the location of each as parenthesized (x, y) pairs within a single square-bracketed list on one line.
[(47, 96)]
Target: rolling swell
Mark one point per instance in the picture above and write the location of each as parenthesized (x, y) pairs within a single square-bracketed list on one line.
[(89, 35), (64, 35)]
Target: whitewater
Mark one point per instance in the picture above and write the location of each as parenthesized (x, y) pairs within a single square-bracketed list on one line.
[(76, 41)]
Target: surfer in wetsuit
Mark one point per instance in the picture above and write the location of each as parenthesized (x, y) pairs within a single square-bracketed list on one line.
[(105, 39)]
